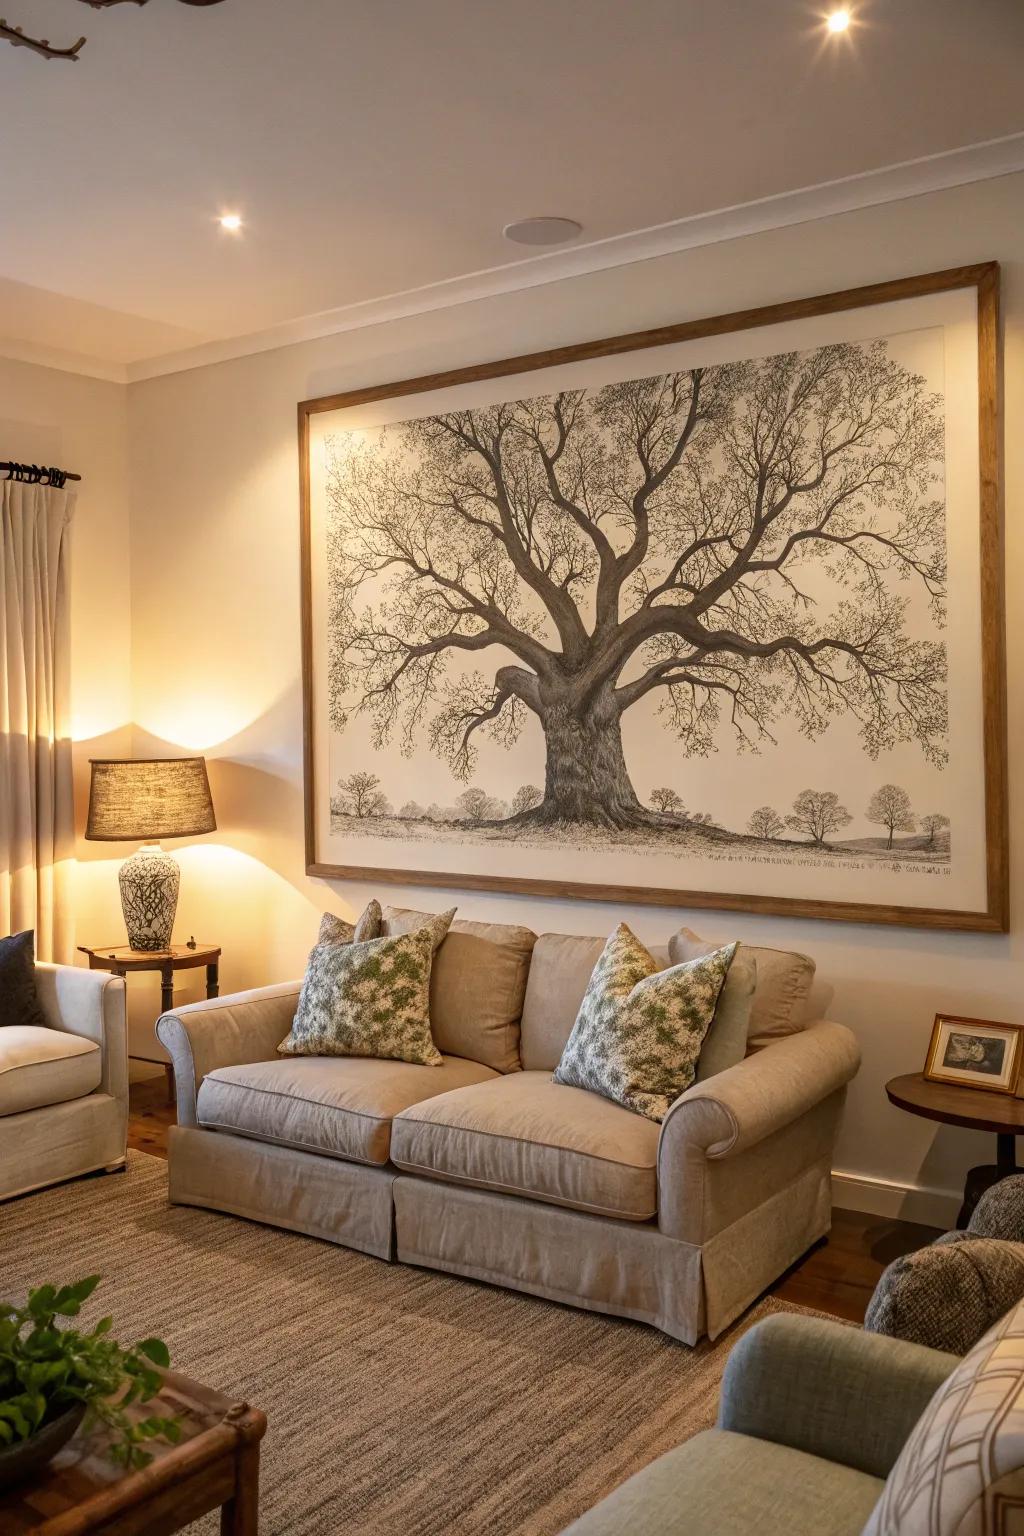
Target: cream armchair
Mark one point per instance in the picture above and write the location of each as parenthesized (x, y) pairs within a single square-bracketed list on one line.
[(64, 1089)]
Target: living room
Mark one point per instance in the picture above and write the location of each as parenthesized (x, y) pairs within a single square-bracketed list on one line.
[(522, 511)]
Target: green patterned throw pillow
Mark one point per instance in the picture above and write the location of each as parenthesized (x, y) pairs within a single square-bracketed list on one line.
[(639, 1030), (367, 999)]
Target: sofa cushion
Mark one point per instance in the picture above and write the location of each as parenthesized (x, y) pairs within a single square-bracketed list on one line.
[(477, 987), (395, 920), (342, 1106), (368, 999), (560, 971), (725, 1043), (640, 1029), (523, 1134), (784, 980), (40, 1066), (722, 1484)]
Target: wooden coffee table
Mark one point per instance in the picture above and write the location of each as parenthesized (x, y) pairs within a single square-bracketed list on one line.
[(215, 1464), (978, 1110)]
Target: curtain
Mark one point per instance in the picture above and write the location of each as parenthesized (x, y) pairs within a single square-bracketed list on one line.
[(37, 824)]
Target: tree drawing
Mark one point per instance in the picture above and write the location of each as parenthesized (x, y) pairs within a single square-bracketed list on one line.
[(476, 805), (361, 795), (816, 813), (736, 544), (933, 823), (667, 801), (526, 798), (412, 811), (890, 807), (764, 822)]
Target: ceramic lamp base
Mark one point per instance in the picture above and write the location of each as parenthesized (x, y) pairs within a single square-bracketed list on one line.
[(149, 883)]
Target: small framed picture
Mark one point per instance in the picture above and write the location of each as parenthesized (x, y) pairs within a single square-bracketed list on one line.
[(977, 1053)]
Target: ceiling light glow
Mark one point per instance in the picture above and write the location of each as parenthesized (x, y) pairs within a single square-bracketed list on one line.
[(838, 21), (231, 221)]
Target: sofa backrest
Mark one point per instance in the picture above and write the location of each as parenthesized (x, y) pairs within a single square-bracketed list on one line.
[(560, 970), (477, 987)]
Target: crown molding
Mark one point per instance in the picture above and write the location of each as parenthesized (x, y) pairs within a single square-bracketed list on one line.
[(892, 183), (909, 178), (16, 351)]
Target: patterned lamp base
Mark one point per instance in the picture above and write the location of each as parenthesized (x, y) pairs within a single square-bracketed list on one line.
[(149, 883)]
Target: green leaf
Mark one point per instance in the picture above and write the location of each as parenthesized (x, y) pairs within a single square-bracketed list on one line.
[(155, 1350)]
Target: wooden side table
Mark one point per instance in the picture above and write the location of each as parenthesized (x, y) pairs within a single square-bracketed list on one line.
[(216, 1464), (122, 961), (977, 1110)]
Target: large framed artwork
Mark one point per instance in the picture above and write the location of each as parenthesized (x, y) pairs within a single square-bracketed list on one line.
[(704, 616)]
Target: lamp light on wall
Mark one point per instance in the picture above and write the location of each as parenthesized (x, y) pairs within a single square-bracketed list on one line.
[(145, 800)]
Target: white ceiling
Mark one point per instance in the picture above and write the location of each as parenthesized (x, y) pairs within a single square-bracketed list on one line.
[(377, 146)]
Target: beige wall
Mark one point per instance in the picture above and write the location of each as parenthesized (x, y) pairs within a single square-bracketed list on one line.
[(215, 625), (49, 417)]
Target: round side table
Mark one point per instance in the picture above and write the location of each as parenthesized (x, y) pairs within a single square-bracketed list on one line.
[(977, 1110)]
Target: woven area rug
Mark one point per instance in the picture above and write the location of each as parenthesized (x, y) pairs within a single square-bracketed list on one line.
[(401, 1402)]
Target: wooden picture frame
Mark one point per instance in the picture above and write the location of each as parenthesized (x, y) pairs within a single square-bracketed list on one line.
[(953, 1033), (991, 911)]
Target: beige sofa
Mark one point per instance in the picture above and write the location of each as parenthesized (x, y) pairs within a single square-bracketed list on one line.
[(64, 1089), (484, 1167)]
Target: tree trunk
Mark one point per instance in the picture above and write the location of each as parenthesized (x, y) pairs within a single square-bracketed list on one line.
[(891, 831), (586, 778)]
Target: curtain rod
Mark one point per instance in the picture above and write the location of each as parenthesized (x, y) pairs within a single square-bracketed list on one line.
[(35, 474)]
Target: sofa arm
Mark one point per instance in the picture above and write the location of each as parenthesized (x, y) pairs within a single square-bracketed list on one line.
[(830, 1390), (224, 1032), (785, 1098), (90, 1004)]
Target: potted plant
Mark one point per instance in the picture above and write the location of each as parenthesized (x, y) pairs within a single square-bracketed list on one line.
[(52, 1376)]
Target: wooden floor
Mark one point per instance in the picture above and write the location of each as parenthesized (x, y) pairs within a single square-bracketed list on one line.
[(837, 1277)]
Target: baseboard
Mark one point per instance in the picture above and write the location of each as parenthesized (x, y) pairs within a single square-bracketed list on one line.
[(905, 1202)]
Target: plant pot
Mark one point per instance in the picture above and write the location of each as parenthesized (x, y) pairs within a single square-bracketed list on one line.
[(24, 1457)]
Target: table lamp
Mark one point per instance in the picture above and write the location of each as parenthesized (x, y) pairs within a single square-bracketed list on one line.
[(144, 800)]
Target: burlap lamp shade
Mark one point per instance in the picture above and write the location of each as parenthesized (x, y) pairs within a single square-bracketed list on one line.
[(144, 800)]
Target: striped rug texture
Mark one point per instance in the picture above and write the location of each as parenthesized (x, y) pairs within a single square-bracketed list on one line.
[(401, 1402)]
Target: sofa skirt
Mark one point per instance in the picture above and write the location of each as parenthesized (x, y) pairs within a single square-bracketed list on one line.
[(348, 1203), (628, 1269), (60, 1141)]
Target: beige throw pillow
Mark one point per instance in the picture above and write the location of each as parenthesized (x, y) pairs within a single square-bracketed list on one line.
[(477, 987), (406, 920), (783, 985), (369, 999), (639, 1030), (725, 1044)]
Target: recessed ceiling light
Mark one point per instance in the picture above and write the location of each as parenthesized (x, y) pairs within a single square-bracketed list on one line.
[(542, 231), (839, 21), (231, 221)]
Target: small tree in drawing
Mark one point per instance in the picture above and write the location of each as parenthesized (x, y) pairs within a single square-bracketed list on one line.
[(526, 797), (412, 811), (890, 807), (933, 823), (476, 805), (667, 801), (361, 795), (764, 822), (816, 813)]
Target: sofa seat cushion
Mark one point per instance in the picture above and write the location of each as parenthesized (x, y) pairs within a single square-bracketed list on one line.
[(724, 1484), (341, 1106), (41, 1066), (526, 1135)]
